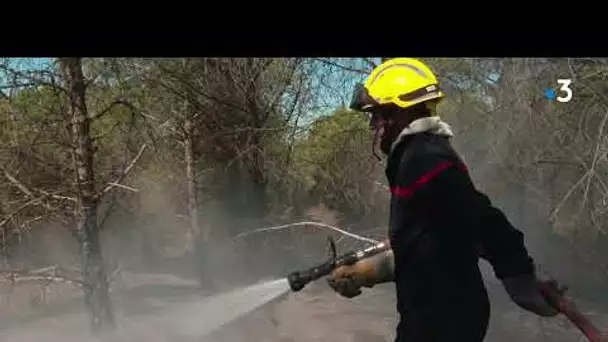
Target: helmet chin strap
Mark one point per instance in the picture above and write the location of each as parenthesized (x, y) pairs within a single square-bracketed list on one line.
[(376, 141)]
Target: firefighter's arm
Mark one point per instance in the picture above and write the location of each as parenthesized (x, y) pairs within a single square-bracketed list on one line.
[(440, 190), (446, 194)]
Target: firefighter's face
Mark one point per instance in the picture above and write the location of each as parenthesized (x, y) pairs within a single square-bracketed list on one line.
[(385, 127)]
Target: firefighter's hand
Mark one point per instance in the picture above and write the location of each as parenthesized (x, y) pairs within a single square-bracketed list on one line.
[(525, 291), (348, 280)]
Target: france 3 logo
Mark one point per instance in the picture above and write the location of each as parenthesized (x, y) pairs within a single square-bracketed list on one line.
[(563, 94)]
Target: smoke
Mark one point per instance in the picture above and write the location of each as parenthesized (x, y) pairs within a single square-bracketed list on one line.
[(502, 165)]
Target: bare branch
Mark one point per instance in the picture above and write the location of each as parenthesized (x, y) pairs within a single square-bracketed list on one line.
[(38, 275), (26, 191), (124, 187), (126, 171), (194, 89), (58, 197), (34, 81), (11, 215), (18, 184), (343, 67), (110, 107), (596, 157)]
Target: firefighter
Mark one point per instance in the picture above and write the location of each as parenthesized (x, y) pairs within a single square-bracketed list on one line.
[(440, 224)]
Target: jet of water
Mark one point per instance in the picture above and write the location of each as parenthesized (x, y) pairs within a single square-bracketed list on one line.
[(201, 318), (184, 321), (204, 316)]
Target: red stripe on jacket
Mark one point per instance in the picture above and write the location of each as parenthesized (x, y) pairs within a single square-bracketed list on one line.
[(425, 178)]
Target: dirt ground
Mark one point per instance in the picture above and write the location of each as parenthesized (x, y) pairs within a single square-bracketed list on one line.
[(314, 314)]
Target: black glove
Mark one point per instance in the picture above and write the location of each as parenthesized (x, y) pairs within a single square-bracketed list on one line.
[(525, 291)]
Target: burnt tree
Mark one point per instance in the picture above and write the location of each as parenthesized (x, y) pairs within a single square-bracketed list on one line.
[(96, 287)]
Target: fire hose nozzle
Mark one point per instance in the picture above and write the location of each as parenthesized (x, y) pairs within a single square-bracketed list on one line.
[(296, 281), (299, 279)]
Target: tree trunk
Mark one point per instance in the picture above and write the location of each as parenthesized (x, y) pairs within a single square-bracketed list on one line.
[(258, 199), (194, 233), (257, 196), (189, 157), (96, 294)]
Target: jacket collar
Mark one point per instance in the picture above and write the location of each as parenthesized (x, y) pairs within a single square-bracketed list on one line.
[(433, 125)]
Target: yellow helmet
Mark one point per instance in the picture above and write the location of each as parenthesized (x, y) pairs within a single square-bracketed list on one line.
[(403, 82)]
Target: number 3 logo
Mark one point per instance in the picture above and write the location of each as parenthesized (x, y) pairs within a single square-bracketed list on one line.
[(565, 88)]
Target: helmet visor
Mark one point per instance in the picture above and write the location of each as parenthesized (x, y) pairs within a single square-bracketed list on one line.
[(361, 100)]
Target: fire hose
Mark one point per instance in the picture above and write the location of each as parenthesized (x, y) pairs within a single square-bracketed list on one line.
[(551, 290), (555, 295)]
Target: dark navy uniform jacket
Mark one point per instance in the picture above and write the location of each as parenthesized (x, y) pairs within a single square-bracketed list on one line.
[(439, 223)]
